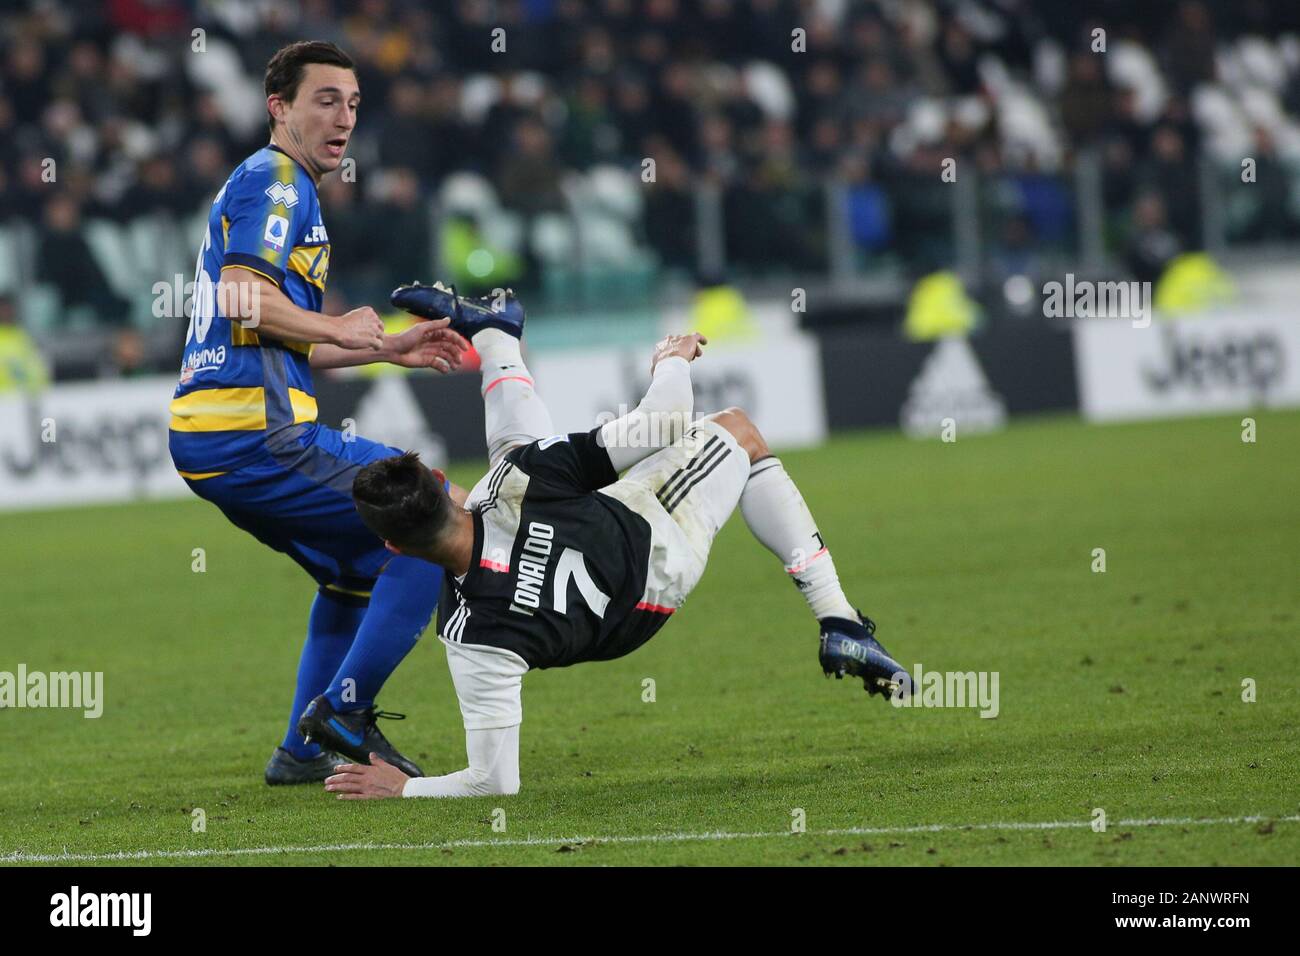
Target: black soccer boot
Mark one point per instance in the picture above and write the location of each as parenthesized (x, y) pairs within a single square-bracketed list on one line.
[(501, 310), (284, 768), (850, 647), (352, 734)]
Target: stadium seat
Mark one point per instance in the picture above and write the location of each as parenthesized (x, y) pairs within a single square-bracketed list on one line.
[(552, 238), (614, 190), (116, 253), (606, 241), (9, 278), (40, 305), (467, 194), (503, 229)]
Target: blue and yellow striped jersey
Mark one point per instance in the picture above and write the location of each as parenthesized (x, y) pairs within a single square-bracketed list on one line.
[(236, 386)]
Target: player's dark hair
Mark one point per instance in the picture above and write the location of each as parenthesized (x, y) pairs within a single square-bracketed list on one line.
[(285, 70), (401, 501)]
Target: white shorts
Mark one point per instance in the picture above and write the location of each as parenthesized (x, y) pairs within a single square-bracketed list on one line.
[(686, 492)]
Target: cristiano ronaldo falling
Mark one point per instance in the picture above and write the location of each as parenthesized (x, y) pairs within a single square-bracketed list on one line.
[(552, 559)]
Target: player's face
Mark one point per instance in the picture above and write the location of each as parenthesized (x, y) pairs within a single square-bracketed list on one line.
[(322, 116)]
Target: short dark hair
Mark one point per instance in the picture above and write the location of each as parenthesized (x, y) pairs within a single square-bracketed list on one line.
[(401, 501), (285, 70)]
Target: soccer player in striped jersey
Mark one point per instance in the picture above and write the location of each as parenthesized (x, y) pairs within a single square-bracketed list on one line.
[(553, 559), (244, 433)]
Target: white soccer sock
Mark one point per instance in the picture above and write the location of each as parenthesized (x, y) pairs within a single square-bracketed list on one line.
[(514, 413), (779, 518)]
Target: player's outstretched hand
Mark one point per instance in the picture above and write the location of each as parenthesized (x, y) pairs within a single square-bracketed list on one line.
[(689, 347), (361, 329), (427, 345), (354, 781)]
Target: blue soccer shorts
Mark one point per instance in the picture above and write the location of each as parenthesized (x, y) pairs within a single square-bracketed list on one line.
[(296, 497)]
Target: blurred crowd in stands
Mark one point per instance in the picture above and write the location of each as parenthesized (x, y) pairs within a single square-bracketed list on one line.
[(142, 108)]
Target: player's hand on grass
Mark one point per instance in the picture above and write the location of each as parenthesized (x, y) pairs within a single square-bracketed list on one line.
[(354, 781), (427, 345), (361, 329), (689, 347)]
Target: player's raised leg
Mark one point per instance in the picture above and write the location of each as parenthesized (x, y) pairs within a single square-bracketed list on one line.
[(494, 324), (779, 518), (514, 414)]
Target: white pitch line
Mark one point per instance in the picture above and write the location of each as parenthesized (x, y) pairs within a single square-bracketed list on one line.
[(18, 856)]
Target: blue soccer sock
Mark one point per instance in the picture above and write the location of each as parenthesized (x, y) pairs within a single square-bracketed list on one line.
[(331, 629), (401, 604)]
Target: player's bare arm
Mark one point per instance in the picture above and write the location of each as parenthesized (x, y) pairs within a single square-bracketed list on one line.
[(261, 306), (428, 345), (353, 338)]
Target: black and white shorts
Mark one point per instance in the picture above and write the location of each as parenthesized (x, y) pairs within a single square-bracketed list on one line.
[(686, 492)]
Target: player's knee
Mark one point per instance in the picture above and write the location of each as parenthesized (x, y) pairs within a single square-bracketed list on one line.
[(746, 433)]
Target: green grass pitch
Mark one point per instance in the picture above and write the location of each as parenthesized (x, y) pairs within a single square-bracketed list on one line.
[(1119, 690)]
